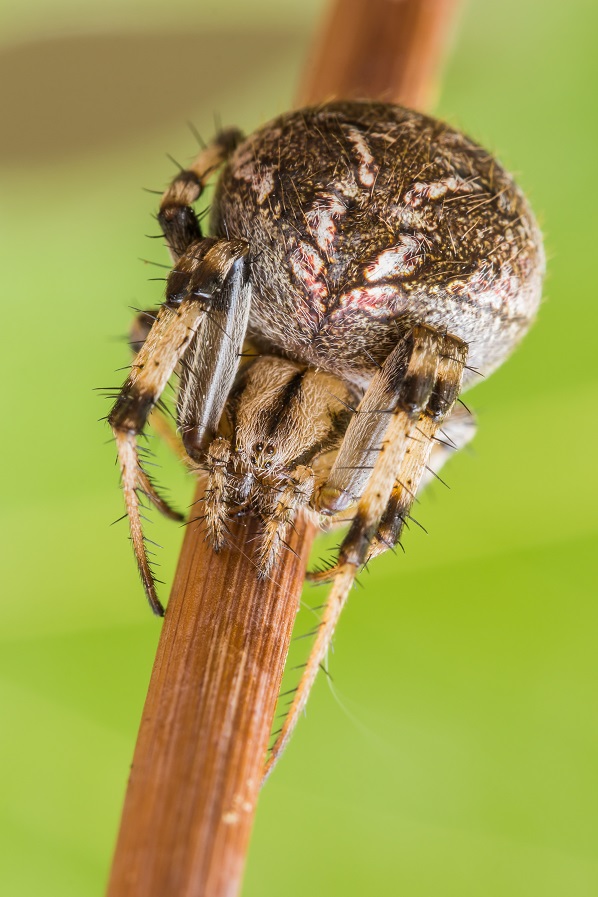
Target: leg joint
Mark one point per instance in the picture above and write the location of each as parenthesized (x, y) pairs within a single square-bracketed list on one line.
[(131, 410)]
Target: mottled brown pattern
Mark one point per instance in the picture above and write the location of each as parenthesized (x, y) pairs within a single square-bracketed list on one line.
[(321, 194)]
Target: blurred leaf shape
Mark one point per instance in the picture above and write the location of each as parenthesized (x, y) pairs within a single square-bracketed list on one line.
[(72, 95)]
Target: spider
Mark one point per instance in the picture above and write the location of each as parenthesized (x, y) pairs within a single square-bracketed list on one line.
[(375, 260)]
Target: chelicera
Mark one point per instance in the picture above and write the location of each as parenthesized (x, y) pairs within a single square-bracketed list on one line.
[(363, 262)]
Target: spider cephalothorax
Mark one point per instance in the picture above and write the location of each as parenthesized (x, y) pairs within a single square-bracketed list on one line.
[(377, 260), (282, 423)]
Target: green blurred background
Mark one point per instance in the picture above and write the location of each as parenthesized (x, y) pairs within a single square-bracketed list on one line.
[(455, 751)]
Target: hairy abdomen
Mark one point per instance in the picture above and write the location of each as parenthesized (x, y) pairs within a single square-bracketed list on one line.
[(366, 218)]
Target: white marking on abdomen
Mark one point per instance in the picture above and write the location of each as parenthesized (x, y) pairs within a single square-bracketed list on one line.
[(368, 170), (307, 266), (380, 301), (420, 193), (321, 219), (400, 260)]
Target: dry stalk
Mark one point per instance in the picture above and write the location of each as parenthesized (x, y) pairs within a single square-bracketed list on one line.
[(202, 741)]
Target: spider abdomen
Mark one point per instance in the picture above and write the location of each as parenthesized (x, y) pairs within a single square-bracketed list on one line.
[(364, 219)]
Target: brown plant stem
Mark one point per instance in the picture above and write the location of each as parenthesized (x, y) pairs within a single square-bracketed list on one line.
[(387, 50), (200, 752), (199, 758)]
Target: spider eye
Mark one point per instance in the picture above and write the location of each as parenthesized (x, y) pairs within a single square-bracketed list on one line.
[(268, 465), (259, 446), (269, 449)]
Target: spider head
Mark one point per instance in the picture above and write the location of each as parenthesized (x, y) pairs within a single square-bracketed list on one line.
[(282, 425), (283, 415)]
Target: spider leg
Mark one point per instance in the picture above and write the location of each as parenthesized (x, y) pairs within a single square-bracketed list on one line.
[(425, 395), (208, 288), (183, 235), (457, 431), (177, 219), (422, 378), (209, 367), (207, 278), (158, 418), (364, 436), (159, 423), (216, 493), (295, 494)]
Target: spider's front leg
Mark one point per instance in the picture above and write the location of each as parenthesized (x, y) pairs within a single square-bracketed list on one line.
[(202, 321), (382, 460), (214, 304), (159, 418)]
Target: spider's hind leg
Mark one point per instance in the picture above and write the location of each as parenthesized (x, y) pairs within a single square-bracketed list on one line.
[(418, 384), (425, 400), (388, 445), (456, 432)]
